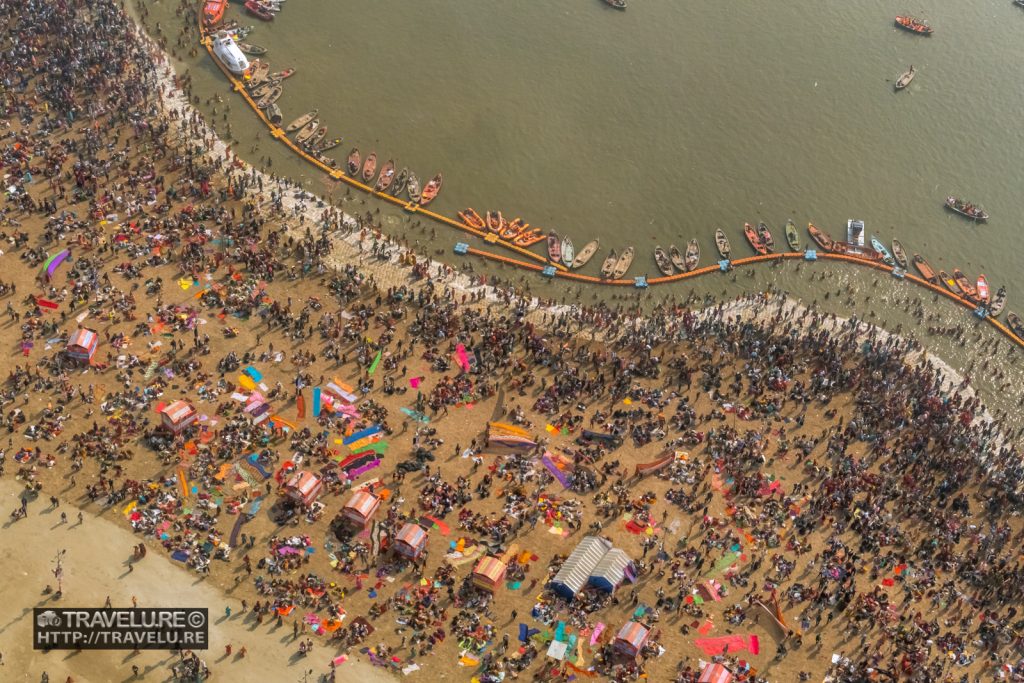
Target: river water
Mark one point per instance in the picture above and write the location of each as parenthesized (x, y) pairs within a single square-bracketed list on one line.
[(661, 123)]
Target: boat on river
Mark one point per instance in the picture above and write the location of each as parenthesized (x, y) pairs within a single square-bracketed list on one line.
[(623, 263), (352, 165), (982, 289), (370, 167), (585, 254), (230, 55), (722, 244), (281, 75), (964, 284), (254, 50), (386, 177), (820, 237), (307, 131), (877, 245), (950, 283), (495, 222), (415, 192), (913, 25), (273, 96), (608, 267), (677, 258), (262, 90), (301, 121), (857, 251), (213, 11), (965, 208), (274, 114), (513, 228), (258, 74), (765, 236), (925, 269), (568, 251), (904, 80), (259, 10), (752, 237), (1015, 323), (330, 144), (900, 254), (617, 4), (692, 255), (998, 302), (431, 189), (314, 142), (528, 238), (792, 237), (400, 182), (663, 261), (472, 219), (554, 247)]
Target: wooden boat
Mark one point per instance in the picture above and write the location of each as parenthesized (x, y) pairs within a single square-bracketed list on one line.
[(369, 167), (262, 90), (1014, 321), (608, 267), (513, 228), (301, 121), (318, 137), (819, 236), (254, 50), (274, 114), (527, 238), (281, 75), (722, 244), (900, 254), (495, 221), (617, 4), (965, 208), (235, 29), (677, 258), (754, 240), (568, 251), (307, 131), (913, 25), (259, 11), (965, 285), (857, 251), (330, 144), (925, 269), (400, 182), (585, 254), (414, 187), (352, 165), (431, 189), (950, 283), (623, 263), (877, 245), (386, 177), (998, 302), (904, 80), (663, 261), (765, 236), (472, 219), (792, 237), (258, 73), (692, 255), (982, 289), (554, 247)]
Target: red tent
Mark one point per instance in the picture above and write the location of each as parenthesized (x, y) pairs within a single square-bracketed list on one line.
[(178, 415), (631, 638), (715, 673), (360, 508), (82, 344), (304, 487), (410, 541), (488, 573)]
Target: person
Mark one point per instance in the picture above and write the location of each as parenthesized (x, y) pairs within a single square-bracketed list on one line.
[(135, 670), (63, 518), (227, 650), (227, 612)]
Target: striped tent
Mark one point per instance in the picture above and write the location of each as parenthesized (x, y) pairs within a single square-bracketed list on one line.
[(82, 344), (360, 508), (631, 638), (304, 487), (410, 541), (178, 415), (576, 569), (715, 673), (610, 571), (488, 573)]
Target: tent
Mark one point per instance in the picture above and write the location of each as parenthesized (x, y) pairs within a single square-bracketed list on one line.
[(610, 571), (575, 571), (715, 673), (82, 344), (304, 487), (631, 638), (177, 416), (488, 573), (360, 508), (410, 541)]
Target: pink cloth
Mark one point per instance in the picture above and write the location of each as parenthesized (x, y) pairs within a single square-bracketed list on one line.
[(716, 646)]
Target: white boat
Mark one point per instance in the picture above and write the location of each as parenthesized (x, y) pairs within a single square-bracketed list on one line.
[(227, 51), (568, 251), (855, 232)]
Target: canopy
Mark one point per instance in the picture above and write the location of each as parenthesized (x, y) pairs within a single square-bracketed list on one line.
[(489, 572), (360, 507), (178, 415), (82, 344), (410, 541), (631, 638), (576, 569), (304, 487), (715, 673), (610, 571)]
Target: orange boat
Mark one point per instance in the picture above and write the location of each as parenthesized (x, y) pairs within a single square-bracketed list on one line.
[(370, 167), (925, 269), (472, 219), (754, 239), (913, 25), (431, 190), (513, 228), (528, 238), (495, 222), (213, 11)]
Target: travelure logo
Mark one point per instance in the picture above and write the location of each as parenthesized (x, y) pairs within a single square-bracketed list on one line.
[(121, 629)]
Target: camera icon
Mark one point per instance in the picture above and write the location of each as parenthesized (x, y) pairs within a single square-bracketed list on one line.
[(48, 618)]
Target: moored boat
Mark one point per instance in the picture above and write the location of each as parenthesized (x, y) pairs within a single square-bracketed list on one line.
[(472, 219), (998, 302), (254, 50), (213, 11), (950, 283), (965, 284), (495, 221), (820, 237), (386, 177), (230, 55), (965, 208), (752, 237), (722, 244), (900, 254), (415, 192), (663, 261), (982, 289), (913, 25), (608, 267), (792, 237), (262, 90), (353, 163), (692, 255), (257, 74), (314, 142), (904, 80), (400, 181), (273, 96), (617, 4), (281, 75), (568, 251), (554, 247), (585, 254), (370, 167), (857, 251), (925, 269), (623, 263), (259, 11), (677, 258), (1015, 323), (431, 189), (330, 144), (877, 245), (274, 114), (527, 238), (307, 131), (513, 228), (301, 121), (765, 235)]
